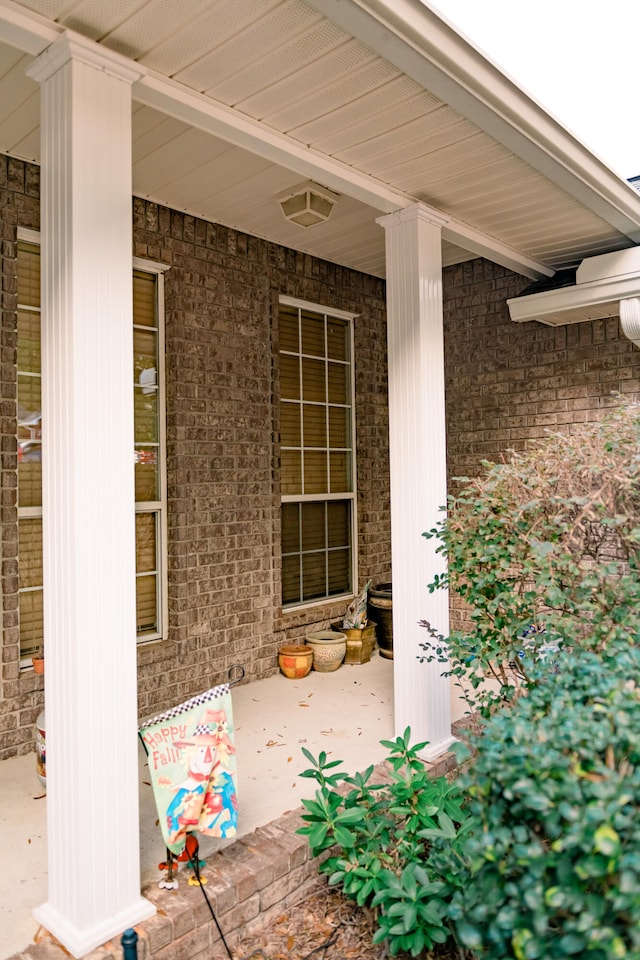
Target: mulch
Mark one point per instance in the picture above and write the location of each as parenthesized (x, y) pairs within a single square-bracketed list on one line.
[(325, 926)]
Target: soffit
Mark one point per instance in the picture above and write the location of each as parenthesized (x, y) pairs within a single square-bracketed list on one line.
[(283, 64)]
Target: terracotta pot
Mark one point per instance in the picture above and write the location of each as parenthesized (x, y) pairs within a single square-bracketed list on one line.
[(38, 664), (294, 660), (329, 649)]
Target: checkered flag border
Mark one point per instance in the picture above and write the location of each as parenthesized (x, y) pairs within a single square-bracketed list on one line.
[(213, 694)]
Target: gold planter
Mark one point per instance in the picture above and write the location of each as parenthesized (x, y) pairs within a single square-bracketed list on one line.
[(360, 643)]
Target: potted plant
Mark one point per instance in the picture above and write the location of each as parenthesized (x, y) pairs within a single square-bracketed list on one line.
[(37, 661), (360, 632)]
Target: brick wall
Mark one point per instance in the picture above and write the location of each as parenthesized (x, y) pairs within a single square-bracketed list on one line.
[(21, 694), (221, 309), (221, 312), (505, 383)]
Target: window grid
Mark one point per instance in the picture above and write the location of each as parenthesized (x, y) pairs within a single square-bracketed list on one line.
[(297, 558), (31, 617)]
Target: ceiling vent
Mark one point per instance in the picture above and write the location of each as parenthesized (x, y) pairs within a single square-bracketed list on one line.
[(308, 204)]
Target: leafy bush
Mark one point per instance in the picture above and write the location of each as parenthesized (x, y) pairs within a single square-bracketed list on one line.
[(543, 550), (378, 835), (554, 869)]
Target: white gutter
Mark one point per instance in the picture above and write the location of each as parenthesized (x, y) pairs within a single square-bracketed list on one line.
[(412, 36), (606, 286)]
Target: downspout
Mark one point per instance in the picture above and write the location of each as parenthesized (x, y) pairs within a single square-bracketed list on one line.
[(630, 319)]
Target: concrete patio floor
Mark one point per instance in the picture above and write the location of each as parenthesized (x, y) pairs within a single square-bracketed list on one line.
[(345, 713)]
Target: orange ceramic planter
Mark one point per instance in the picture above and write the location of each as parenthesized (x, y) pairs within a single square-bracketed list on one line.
[(295, 660)]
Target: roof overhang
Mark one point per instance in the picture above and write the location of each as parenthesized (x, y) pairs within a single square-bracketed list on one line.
[(601, 284), (415, 39)]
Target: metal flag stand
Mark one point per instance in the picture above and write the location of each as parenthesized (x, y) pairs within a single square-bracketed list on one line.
[(190, 853)]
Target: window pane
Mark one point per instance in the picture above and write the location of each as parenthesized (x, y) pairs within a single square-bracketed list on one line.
[(290, 435), (339, 523), (339, 427), (145, 416), (146, 564), (312, 334), (31, 623), (289, 378), (28, 267), (340, 467), (314, 575), (319, 375), (339, 571), (28, 342), (315, 425), (289, 329), (144, 299), (338, 383), (145, 350), (30, 552), (313, 532), (337, 342), (313, 380), (291, 579), (315, 472), (291, 480), (146, 555), (290, 528), (29, 442), (146, 474), (146, 605)]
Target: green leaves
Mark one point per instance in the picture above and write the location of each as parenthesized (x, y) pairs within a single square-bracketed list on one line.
[(538, 547), (380, 838)]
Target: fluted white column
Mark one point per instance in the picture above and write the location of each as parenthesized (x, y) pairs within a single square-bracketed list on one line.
[(417, 445), (88, 496)]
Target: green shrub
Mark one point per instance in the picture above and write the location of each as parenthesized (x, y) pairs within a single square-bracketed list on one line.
[(378, 836), (543, 550), (553, 866)]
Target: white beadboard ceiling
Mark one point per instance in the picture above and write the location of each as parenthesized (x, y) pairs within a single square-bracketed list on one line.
[(288, 66)]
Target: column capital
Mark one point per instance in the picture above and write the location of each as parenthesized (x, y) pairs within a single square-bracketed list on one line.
[(413, 213), (73, 46)]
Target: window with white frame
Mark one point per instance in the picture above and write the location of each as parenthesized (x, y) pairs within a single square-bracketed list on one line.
[(317, 453), (149, 452)]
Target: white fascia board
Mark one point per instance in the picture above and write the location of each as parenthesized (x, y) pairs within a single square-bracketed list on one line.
[(413, 37), (594, 300), (485, 246), (33, 34), (26, 31)]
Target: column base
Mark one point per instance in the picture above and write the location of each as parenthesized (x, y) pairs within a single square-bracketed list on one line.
[(79, 942), (434, 750)]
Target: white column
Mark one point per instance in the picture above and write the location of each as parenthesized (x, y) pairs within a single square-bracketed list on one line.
[(417, 446), (88, 496)]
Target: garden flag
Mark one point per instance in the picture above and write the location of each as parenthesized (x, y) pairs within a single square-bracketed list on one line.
[(193, 767)]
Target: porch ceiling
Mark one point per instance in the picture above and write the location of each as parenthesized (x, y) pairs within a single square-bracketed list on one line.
[(381, 101)]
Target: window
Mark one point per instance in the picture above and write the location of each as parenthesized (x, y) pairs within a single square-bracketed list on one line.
[(317, 453), (149, 459)]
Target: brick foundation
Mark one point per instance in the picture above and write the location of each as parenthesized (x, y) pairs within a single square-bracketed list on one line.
[(249, 883)]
